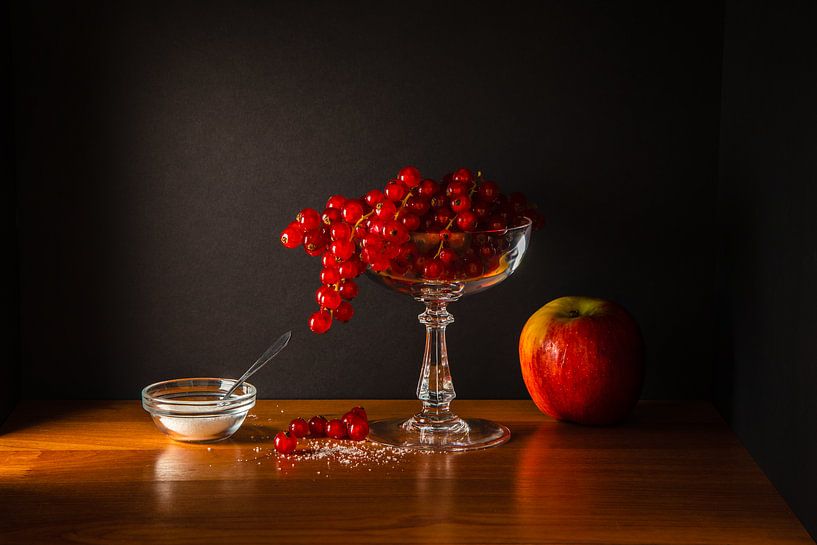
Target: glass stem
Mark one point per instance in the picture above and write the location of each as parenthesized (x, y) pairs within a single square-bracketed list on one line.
[(435, 388)]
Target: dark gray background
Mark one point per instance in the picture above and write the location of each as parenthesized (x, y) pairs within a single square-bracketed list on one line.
[(159, 148), (162, 148), (766, 372)]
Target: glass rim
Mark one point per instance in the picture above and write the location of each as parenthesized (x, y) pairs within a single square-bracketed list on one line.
[(528, 223), (149, 393)]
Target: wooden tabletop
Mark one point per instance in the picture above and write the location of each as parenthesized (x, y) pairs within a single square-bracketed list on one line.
[(99, 472)]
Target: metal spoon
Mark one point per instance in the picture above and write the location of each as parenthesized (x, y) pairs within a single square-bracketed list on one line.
[(265, 358)]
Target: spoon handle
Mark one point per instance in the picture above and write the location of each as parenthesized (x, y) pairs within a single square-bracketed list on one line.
[(265, 358)]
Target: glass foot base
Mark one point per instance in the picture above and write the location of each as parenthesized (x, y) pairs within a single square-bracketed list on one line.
[(454, 435)]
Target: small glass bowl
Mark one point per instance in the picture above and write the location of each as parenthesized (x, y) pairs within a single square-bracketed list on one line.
[(191, 409)]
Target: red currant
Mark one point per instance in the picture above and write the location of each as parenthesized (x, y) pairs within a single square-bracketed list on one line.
[(285, 443), (481, 209), (342, 249), (439, 201), (396, 232), (447, 256), (488, 191), (344, 312), (443, 216), (309, 219), (314, 242), (329, 261), (299, 428), (463, 175), (357, 428), (432, 270), (336, 429), (330, 276), (348, 289), (418, 205), (331, 215), (496, 223), (336, 202), (320, 322), (456, 188), (327, 297), (361, 412), (411, 221), (410, 176), (460, 203), (373, 197), (466, 220), (317, 426), (348, 269), (473, 269), (293, 235), (340, 231), (352, 211), (428, 188), (395, 191), (385, 209)]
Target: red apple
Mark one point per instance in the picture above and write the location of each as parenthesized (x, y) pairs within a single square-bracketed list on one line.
[(583, 360)]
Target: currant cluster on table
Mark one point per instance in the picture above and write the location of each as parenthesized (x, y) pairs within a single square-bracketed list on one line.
[(375, 231), (353, 425)]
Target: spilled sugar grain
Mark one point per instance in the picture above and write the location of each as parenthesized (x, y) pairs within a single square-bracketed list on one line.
[(338, 454)]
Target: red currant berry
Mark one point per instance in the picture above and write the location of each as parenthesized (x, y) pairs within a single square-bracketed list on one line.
[(357, 428), (395, 191), (396, 232), (408, 252), (317, 426), (344, 312), (331, 215), (466, 220), (418, 205), (373, 197), (327, 297), (439, 201), (410, 176), (456, 188), (299, 428), (329, 261), (432, 270), (320, 322), (314, 242), (348, 269), (309, 219), (385, 209), (496, 223), (348, 289), (518, 202), (463, 175), (342, 249), (336, 429), (380, 264), (336, 202), (293, 235), (411, 221), (481, 209), (340, 231), (352, 211), (460, 203), (360, 412), (347, 417), (285, 442), (428, 188), (488, 191), (330, 276), (373, 242), (443, 216), (447, 256), (473, 269)]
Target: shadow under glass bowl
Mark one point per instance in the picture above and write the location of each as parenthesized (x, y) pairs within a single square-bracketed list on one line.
[(191, 409)]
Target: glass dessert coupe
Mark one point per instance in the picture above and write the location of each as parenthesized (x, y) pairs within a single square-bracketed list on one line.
[(436, 426)]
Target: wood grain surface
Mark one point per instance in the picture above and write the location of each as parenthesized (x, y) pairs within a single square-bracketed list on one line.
[(98, 472)]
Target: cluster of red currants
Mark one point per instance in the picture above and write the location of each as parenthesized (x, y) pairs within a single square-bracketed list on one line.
[(353, 425), (376, 231)]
